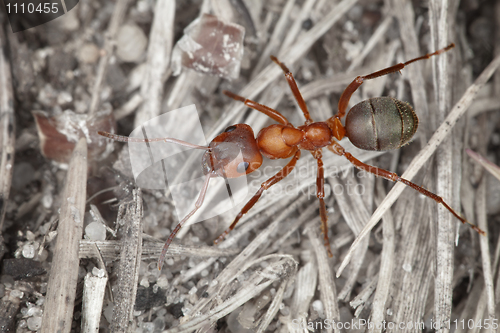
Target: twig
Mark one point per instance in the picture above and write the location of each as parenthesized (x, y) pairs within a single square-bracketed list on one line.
[(61, 289)]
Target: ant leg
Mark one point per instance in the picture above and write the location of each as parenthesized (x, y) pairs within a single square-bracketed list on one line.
[(259, 107), (197, 205), (265, 185), (339, 150), (122, 138), (320, 194), (354, 85), (295, 89)]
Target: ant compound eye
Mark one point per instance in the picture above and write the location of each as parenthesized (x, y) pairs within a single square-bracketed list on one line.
[(230, 129), (242, 167)]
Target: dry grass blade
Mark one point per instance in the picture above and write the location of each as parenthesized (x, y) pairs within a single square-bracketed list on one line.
[(130, 260), (386, 265), (274, 307), (457, 111), (443, 291), (328, 290), (485, 249), (7, 128), (305, 288), (110, 250), (158, 61), (61, 289)]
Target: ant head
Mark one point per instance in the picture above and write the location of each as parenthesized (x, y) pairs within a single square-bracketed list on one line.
[(234, 153)]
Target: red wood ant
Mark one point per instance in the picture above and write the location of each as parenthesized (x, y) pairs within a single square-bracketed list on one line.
[(381, 123)]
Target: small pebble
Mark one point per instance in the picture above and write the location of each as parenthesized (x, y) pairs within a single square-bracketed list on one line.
[(34, 311), (29, 251), (317, 306), (162, 282), (88, 53), (131, 43), (22, 324), (34, 323), (30, 236), (144, 282), (95, 231), (148, 327)]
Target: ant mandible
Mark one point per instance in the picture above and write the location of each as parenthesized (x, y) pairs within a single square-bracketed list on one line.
[(380, 123)]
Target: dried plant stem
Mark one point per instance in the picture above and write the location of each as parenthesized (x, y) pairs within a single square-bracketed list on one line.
[(93, 296), (130, 260), (158, 61), (61, 289), (485, 248), (443, 291), (386, 265), (306, 282), (7, 128), (110, 250), (326, 280), (457, 111), (274, 307)]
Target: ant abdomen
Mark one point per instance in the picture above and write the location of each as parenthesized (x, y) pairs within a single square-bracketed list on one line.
[(381, 123)]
